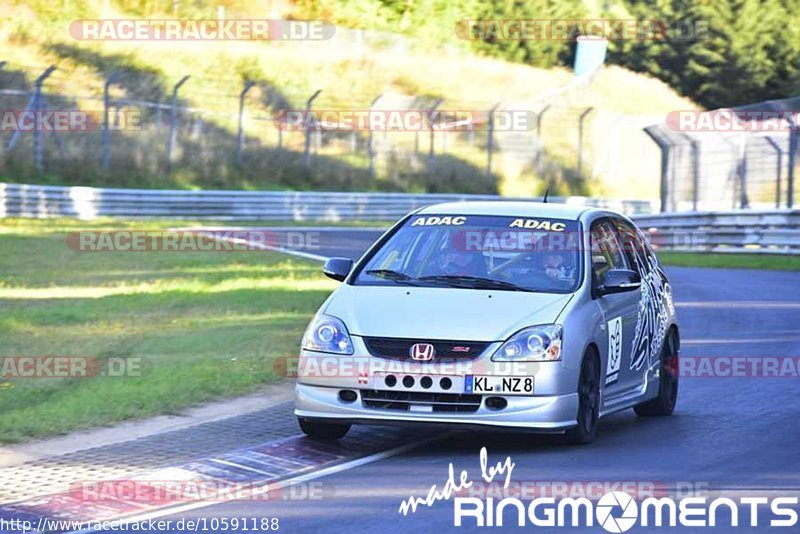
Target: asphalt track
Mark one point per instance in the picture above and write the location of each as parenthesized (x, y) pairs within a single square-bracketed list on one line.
[(740, 436)]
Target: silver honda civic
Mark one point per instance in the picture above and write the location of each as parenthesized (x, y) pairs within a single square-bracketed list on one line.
[(519, 315)]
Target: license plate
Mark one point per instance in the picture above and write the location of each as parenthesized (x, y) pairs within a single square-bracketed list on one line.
[(501, 385)]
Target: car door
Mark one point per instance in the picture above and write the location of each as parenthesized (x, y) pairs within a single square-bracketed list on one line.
[(620, 310), (656, 297)]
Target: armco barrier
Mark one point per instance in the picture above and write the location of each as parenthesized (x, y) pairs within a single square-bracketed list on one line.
[(773, 231), (39, 201)]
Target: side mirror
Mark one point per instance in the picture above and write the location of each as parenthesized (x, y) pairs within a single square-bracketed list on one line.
[(337, 268), (620, 281)]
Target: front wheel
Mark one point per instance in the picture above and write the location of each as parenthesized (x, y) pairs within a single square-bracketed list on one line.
[(322, 430), (588, 402), (664, 403)]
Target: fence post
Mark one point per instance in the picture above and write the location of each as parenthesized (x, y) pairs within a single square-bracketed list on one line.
[(778, 169), (37, 132), (371, 140), (537, 163), (431, 115), (695, 148), (490, 141), (307, 157), (665, 147), (744, 202), (173, 118), (792, 155), (240, 136), (34, 105), (580, 138), (113, 77)]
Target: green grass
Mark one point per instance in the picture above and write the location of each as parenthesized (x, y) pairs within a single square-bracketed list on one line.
[(731, 261), (205, 325)]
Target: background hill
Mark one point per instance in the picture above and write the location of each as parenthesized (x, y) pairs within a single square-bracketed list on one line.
[(419, 62)]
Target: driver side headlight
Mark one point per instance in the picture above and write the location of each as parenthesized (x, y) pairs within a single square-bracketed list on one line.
[(533, 344), (326, 333)]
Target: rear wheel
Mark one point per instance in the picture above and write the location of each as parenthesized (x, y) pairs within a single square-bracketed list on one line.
[(588, 401), (322, 430), (664, 403)]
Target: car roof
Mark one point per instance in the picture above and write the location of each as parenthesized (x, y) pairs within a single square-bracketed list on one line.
[(509, 208)]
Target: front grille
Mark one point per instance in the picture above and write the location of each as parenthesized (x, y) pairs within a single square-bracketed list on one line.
[(399, 349), (403, 400)]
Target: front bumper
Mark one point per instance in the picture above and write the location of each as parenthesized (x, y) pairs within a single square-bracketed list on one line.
[(551, 413)]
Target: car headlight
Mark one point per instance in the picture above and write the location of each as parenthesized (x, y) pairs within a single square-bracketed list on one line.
[(534, 344), (326, 333)]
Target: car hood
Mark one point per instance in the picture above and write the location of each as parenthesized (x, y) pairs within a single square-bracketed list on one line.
[(441, 313)]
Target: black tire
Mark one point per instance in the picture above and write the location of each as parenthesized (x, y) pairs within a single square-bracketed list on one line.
[(664, 403), (588, 402), (321, 430)]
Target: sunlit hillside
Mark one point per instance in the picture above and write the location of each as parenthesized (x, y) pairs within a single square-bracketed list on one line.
[(351, 70)]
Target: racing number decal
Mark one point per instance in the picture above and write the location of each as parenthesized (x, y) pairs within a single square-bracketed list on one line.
[(614, 350)]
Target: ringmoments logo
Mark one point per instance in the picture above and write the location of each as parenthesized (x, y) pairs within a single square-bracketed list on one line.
[(615, 511), (610, 502), (618, 511)]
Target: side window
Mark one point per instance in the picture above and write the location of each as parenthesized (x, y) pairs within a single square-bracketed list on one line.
[(636, 248), (631, 242), (607, 252)]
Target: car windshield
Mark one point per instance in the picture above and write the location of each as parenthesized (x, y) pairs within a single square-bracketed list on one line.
[(479, 252)]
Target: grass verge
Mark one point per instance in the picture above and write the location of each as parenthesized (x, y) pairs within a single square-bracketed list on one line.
[(203, 325), (772, 262)]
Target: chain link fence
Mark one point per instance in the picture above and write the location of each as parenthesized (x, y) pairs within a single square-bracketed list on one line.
[(195, 129), (746, 160), (142, 131)]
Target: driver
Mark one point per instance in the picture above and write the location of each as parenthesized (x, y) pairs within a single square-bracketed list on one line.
[(555, 266), (454, 262)]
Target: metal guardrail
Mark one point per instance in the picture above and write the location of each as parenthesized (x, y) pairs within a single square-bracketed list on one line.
[(771, 232), (40, 201), (774, 231)]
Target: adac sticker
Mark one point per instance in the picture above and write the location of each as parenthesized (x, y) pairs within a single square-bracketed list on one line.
[(536, 224), (438, 220)]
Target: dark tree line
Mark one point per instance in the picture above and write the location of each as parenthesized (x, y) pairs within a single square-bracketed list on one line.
[(749, 51)]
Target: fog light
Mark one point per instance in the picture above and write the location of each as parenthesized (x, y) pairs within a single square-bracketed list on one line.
[(496, 403), (426, 382), (390, 381), (408, 381), (347, 395), (445, 383)]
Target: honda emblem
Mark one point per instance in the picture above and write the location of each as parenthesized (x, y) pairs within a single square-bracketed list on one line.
[(422, 352)]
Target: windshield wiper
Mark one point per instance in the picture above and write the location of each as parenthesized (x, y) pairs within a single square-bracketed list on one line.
[(394, 276), (474, 282)]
